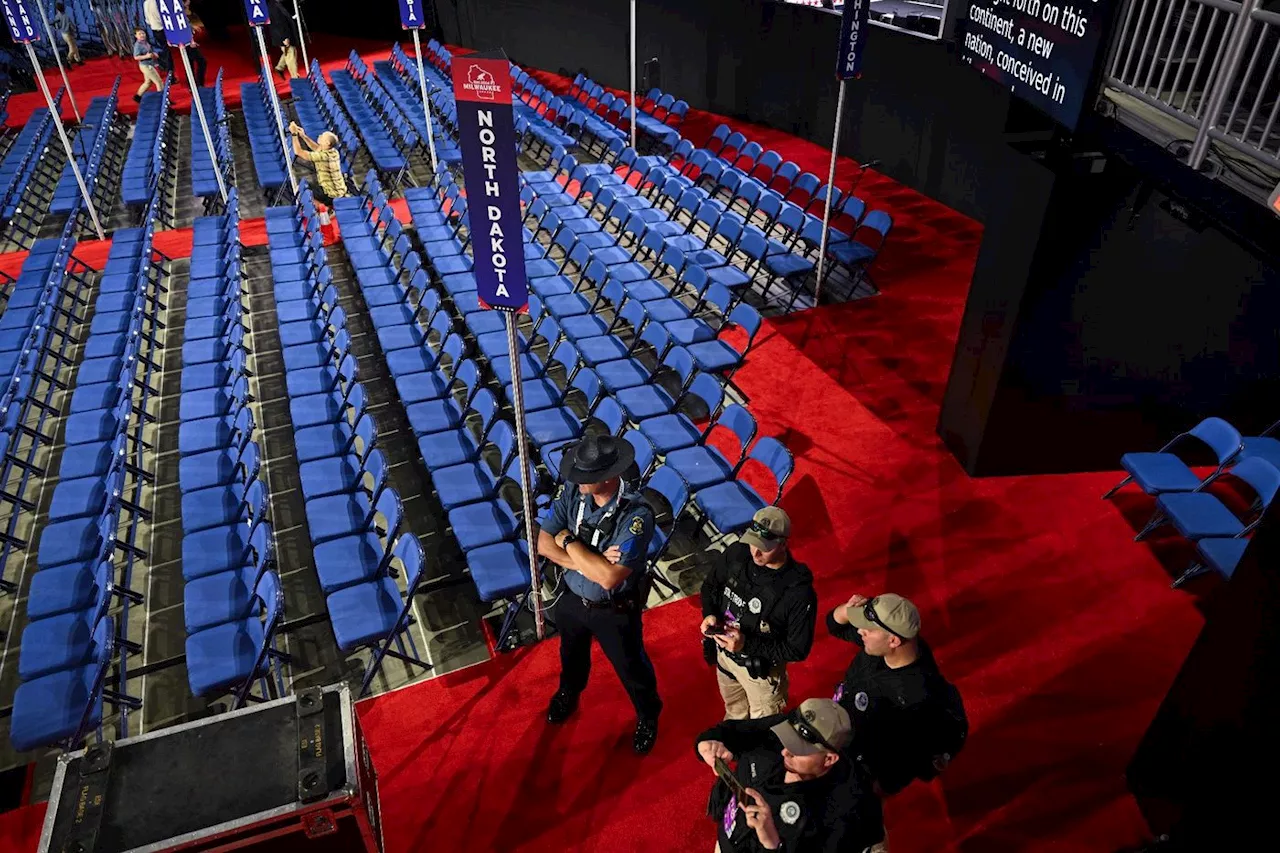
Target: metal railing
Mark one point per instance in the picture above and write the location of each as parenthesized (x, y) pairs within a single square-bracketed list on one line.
[(1213, 65)]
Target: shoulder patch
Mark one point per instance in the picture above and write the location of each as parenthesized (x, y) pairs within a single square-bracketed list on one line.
[(637, 525), (559, 491)]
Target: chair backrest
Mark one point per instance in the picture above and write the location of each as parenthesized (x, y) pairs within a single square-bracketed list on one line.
[(251, 462), (645, 454), (366, 433), (707, 388), (774, 455), (269, 592), (666, 482), (588, 383), (408, 550), (610, 413), (1221, 437), (737, 420), (1261, 476), (388, 505)]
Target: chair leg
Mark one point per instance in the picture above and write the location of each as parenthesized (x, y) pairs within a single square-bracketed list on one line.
[(1156, 520), (1117, 487), (1195, 571)]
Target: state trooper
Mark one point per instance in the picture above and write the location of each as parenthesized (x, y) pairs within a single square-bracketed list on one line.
[(759, 613), (794, 787), (599, 530)]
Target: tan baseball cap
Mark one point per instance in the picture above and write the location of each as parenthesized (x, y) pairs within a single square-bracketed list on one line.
[(818, 725), (887, 612), (768, 527)]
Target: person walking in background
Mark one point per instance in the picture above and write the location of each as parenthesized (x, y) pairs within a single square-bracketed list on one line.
[(199, 65), (145, 55), (151, 11), (282, 37), (66, 28)]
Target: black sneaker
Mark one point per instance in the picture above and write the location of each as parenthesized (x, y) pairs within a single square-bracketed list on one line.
[(562, 707), (646, 733)]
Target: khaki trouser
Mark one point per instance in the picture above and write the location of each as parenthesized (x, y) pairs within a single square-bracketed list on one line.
[(150, 77), (288, 59), (73, 49), (750, 698)]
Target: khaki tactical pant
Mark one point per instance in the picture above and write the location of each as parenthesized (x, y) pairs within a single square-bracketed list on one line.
[(747, 698)]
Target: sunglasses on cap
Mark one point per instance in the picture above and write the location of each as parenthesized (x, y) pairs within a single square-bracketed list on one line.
[(808, 732), (869, 611), (762, 530)]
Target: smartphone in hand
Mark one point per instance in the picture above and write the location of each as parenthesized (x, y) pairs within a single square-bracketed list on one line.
[(726, 775)]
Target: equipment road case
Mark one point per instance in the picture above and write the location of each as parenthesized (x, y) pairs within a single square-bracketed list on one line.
[(290, 774)]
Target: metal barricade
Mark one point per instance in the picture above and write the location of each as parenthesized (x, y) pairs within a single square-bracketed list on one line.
[(1211, 65)]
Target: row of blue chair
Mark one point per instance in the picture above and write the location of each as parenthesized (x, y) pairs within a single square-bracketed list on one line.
[(354, 516), (399, 75), (498, 565), (46, 302), (790, 200), (149, 160), (74, 649), (25, 153), (233, 602), (98, 150), (204, 179), (1211, 521), (264, 139), (386, 136)]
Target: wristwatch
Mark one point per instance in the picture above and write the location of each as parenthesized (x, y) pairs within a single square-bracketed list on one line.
[(568, 537)]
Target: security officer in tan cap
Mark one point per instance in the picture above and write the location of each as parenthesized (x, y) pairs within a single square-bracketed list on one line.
[(759, 612), (794, 787), (909, 721)]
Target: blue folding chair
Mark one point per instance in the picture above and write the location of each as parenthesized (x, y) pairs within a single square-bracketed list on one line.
[(375, 614), (1162, 471)]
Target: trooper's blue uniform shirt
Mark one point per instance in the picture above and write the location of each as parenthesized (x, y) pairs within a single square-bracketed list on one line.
[(632, 532)]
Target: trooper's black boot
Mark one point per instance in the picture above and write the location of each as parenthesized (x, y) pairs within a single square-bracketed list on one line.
[(562, 707), (646, 734)]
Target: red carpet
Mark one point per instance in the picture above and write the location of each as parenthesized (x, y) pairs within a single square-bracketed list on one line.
[(1062, 634), (238, 57)]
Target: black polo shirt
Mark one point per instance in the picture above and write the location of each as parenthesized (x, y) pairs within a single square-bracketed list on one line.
[(893, 711), (835, 813)]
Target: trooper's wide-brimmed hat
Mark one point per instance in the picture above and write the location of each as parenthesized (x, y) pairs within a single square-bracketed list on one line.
[(595, 459)]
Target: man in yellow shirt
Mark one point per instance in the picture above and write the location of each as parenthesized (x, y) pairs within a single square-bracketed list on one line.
[(323, 154)]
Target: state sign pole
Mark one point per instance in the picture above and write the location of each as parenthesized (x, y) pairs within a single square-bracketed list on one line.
[(66, 143), (197, 102), (53, 46), (302, 38), (831, 180), (633, 73), (177, 28), (426, 101), (853, 36), (275, 106), (487, 137)]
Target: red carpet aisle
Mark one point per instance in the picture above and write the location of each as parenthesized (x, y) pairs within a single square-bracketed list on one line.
[(237, 56), (1062, 634), (20, 829)]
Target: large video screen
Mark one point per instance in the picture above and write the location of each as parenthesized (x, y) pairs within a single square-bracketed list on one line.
[(919, 17), (1043, 50)]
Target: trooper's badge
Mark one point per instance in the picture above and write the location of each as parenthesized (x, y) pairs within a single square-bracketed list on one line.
[(860, 701), (637, 526), (764, 627), (754, 605), (789, 812)]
